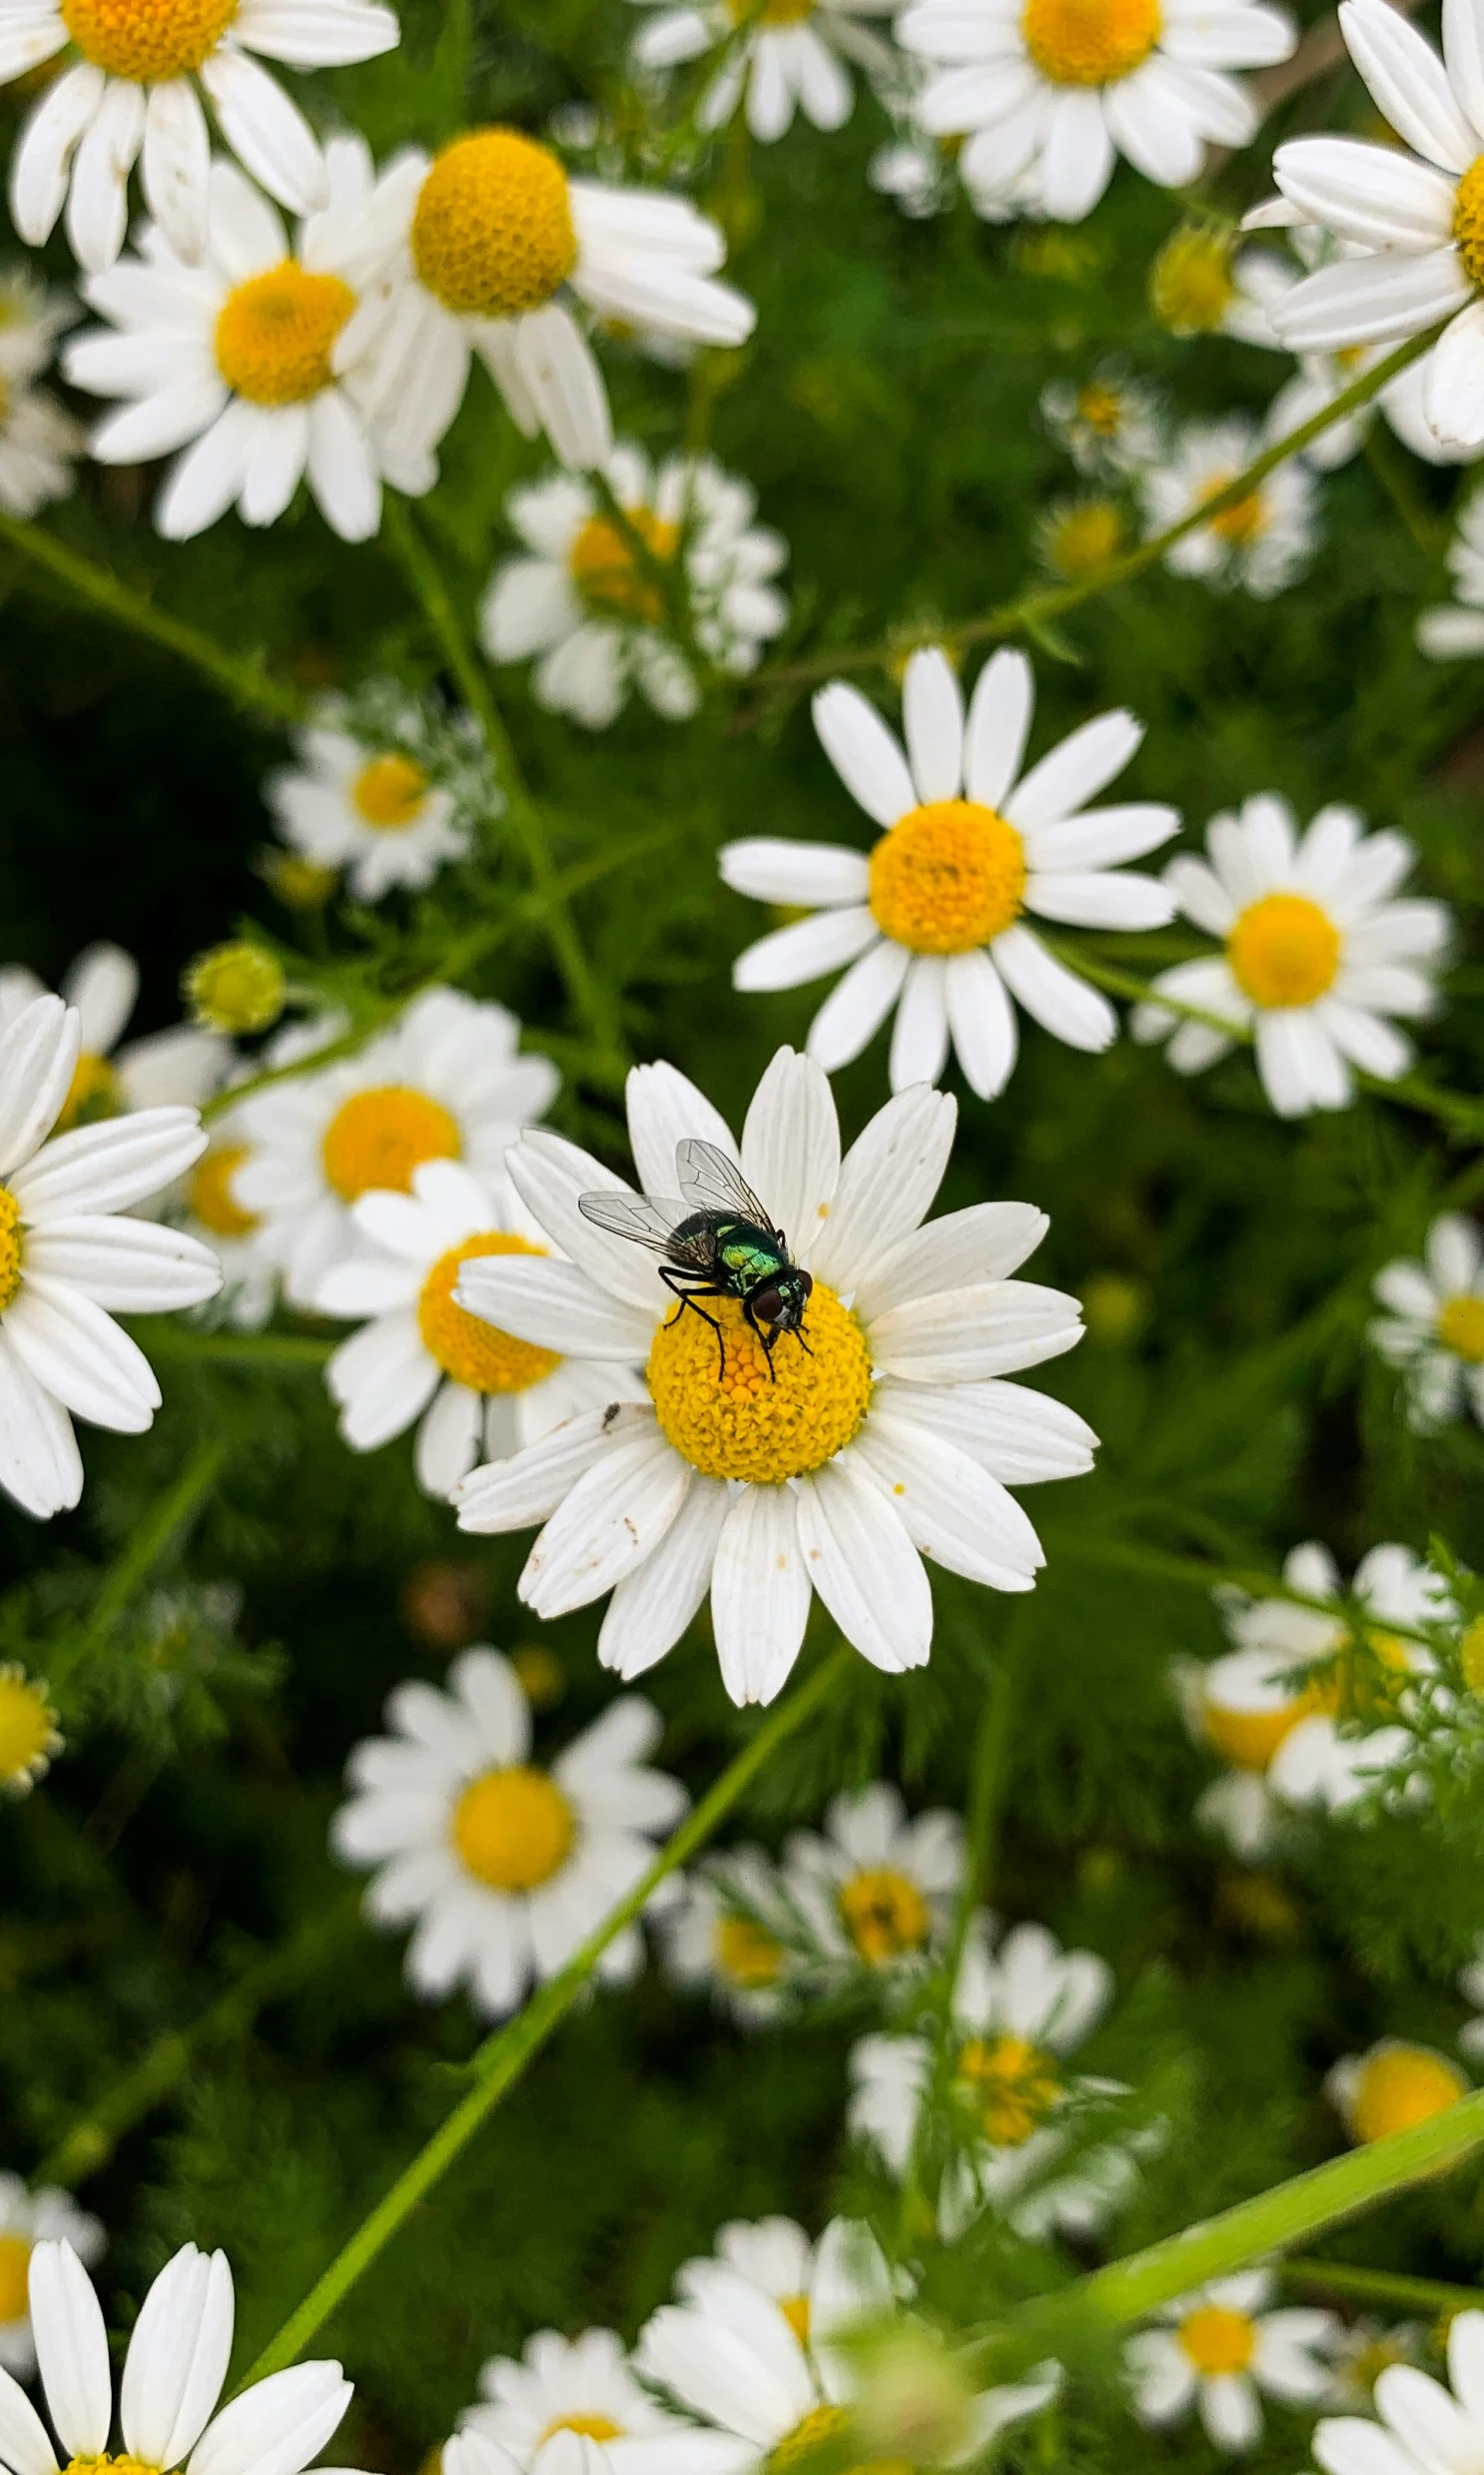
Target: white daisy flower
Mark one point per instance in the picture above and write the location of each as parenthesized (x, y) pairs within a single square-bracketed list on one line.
[(1110, 425), (1455, 630), (1390, 2088), (581, 2385), (1433, 1329), (476, 1393), (763, 2379), (26, 2219), (250, 360), (1017, 2015), (1050, 92), (1318, 959), (876, 1889), (38, 440), (737, 1932), (1222, 2350), (445, 1084), (181, 1067), (30, 1741), (375, 810), (582, 603), (1423, 2424), (1362, 2352), (31, 319), (487, 241), (832, 1456), (69, 1252), (931, 920), (506, 1867), (132, 96), (1410, 227), (774, 2256), (788, 57), (171, 2381), (1259, 544)]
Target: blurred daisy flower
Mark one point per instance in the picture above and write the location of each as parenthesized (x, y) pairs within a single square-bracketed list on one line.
[(598, 616), (1261, 542), (26, 2219), (38, 440), (1200, 287), (1109, 423), (1418, 2416), (787, 56), (384, 789), (833, 1459), (30, 1741), (1362, 2352), (475, 1394), (1318, 960), (1433, 1329), (183, 1065), (488, 243), (1223, 2351), (1055, 92), (737, 1932), (877, 1889), (1454, 630), (582, 2386), (932, 921), (1391, 2086), (132, 96), (503, 1866), (247, 360)]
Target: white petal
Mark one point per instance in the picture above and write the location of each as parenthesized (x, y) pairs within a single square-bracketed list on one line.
[(1370, 194), (178, 2357), (107, 1168), (665, 1109), (82, 1357), (1409, 83), (954, 1510), (982, 1021), (276, 2426), (887, 1184), (71, 2349), (268, 134), (1377, 300), (39, 1460), (1059, 1002), (24, 2446), (963, 1250), (920, 1036), (865, 1567), (515, 1494), (1075, 771), (553, 1304), (932, 721), (791, 1148), (1453, 390), (43, 158), (864, 754), (806, 949), (97, 201), (853, 1012), (759, 1593), (615, 1515), (132, 1266), (177, 165), (994, 1328), (999, 721), (651, 1608), (38, 1058), (795, 871)]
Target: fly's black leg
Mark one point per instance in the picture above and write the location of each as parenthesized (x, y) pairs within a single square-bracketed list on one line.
[(688, 1297), (767, 1339)]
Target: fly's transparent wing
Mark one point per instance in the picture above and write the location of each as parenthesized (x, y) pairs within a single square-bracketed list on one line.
[(650, 1221), (710, 1182)]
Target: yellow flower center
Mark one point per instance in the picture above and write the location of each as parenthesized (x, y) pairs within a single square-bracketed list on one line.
[(147, 41), (884, 1915), (1401, 2085), (1461, 1327), (1468, 220), (274, 333), (1471, 1656), (746, 1954), (377, 1139), (740, 1421), (390, 793), (947, 877), (212, 1203), (606, 572), (513, 1828), (1083, 538), (1010, 2085), (1245, 521), (821, 2424), (795, 2310), (493, 230), (15, 2279), (468, 1348), (27, 1732), (1284, 951), (772, 12), (1190, 286), (591, 2428), (1090, 42), (10, 1246), (94, 1092), (1250, 1738), (236, 988), (1217, 2340), (105, 2464), (1100, 408)]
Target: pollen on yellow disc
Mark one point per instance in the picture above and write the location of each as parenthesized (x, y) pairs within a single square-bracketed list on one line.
[(1190, 286), (468, 1348), (1250, 1738), (212, 1203), (743, 1422), (1468, 220), (147, 41), (10, 1246), (1401, 2085), (390, 793), (1090, 42), (947, 877), (591, 2428), (492, 232), (15, 2273), (513, 1828), (820, 2425), (747, 1955), (377, 1139), (1284, 951), (606, 572), (884, 1914), (274, 333), (772, 12), (1217, 2340), (1461, 1327), (1100, 406), (94, 1092), (1081, 538), (1009, 2083)]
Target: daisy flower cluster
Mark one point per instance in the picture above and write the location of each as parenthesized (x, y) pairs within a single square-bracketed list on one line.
[(387, 790)]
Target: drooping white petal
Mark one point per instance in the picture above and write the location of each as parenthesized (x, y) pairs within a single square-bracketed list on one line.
[(759, 1593)]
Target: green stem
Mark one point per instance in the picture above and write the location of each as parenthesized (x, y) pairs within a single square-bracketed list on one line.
[(149, 1542), (1039, 610), (240, 676), (1383, 2286), (504, 2056), (522, 816), (1152, 1562)]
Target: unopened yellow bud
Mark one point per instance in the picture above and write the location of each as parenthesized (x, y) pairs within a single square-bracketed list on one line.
[(300, 883), (234, 988), (1471, 1656), (1190, 286), (1115, 1308)]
